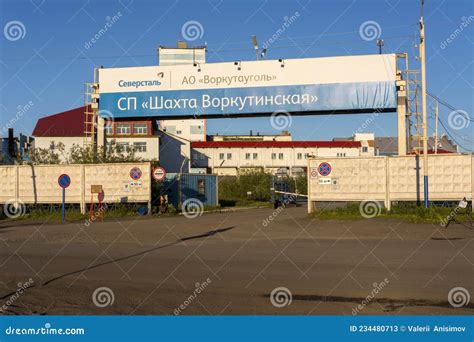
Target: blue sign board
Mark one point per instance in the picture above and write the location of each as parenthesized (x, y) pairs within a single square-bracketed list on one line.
[(64, 181), (225, 101), (341, 84)]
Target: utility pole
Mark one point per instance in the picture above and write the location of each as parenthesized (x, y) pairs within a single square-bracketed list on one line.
[(380, 44), (436, 128), (255, 45), (423, 105)]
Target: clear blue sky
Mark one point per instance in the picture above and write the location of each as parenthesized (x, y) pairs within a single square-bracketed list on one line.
[(48, 64)]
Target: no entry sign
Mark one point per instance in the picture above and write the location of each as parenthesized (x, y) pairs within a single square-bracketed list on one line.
[(159, 173)]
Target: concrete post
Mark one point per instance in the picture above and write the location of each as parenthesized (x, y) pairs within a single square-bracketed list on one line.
[(17, 186), (83, 190), (401, 118), (308, 182), (100, 133), (388, 202)]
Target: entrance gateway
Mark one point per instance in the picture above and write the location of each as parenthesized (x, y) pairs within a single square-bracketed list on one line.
[(305, 86)]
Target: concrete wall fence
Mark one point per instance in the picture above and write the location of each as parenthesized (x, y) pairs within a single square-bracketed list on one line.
[(38, 184), (388, 179)]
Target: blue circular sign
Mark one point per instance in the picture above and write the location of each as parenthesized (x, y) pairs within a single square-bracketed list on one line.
[(324, 169), (64, 181), (135, 173)]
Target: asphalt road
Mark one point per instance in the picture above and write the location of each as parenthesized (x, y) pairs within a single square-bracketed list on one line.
[(229, 263)]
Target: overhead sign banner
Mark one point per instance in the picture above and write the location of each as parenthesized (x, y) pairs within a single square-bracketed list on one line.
[(349, 83)]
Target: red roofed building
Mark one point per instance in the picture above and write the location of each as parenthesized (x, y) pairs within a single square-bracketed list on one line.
[(69, 129)]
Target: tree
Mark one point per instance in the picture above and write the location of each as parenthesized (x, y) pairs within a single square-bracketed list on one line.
[(47, 155)]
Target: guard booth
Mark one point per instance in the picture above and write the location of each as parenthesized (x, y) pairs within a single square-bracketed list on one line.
[(182, 186)]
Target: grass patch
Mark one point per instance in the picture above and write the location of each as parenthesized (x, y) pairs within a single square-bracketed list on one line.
[(242, 203), (406, 211)]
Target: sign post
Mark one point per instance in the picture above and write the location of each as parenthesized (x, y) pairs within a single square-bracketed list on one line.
[(97, 189), (64, 181)]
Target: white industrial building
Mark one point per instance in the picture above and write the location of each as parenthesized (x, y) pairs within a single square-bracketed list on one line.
[(231, 157)]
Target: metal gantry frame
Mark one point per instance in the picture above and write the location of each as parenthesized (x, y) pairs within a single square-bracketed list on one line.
[(414, 117), (91, 109)]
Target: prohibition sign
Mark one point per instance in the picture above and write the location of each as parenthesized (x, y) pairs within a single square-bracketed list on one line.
[(324, 169), (135, 173)]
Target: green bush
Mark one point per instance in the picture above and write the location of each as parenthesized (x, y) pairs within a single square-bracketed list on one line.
[(233, 190)]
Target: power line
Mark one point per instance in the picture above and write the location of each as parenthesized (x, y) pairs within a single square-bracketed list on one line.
[(444, 103), (448, 132)]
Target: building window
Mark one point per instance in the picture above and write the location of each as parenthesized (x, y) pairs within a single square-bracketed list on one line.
[(221, 156), (247, 156), (197, 129), (170, 129), (280, 156), (274, 156), (229, 156), (109, 128), (299, 156), (341, 154), (365, 149), (123, 128), (306, 155), (255, 156), (123, 147), (139, 146), (140, 129), (179, 132)]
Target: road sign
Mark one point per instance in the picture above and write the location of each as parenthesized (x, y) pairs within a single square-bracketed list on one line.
[(159, 173), (64, 181), (135, 173), (324, 169), (313, 172), (96, 189)]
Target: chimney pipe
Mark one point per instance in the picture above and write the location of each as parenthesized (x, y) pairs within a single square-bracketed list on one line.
[(11, 143)]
